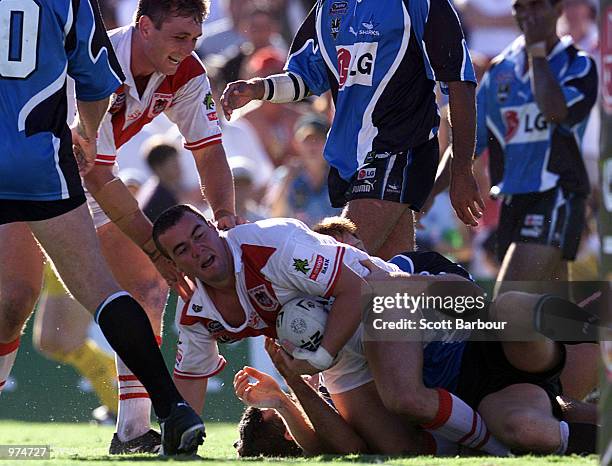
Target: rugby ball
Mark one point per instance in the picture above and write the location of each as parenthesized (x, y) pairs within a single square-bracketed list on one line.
[(301, 321)]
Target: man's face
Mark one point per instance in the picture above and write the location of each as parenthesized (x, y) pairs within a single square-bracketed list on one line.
[(524, 10), (351, 240), (169, 45), (197, 249)]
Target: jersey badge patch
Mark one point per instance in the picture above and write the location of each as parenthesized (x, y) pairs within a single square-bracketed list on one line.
[(264, 298), (159, 103)]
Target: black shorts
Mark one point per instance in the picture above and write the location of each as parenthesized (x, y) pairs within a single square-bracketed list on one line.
[(485, 370), (554, 217), (33, 211), (402, 177)]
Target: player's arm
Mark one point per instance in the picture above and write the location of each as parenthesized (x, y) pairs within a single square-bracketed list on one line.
[(89, 117), (122, 209), (305, 74), (217, 183), (334, 433), (193, 391)]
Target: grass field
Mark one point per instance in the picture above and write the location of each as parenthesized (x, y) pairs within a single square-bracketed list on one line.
[(80, 444)]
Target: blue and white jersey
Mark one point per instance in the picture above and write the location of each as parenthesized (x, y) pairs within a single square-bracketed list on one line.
[(441, 359), (529, 154), (381, 60), (42, 42)]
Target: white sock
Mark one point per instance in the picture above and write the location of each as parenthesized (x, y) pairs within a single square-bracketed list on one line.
[(134, 415), (564, 433), (441, 446), (459, 423), (8, 353)]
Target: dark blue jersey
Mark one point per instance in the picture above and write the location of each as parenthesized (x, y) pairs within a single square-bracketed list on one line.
[(42, 42), (529, 154), (441, 359), (381, 60)]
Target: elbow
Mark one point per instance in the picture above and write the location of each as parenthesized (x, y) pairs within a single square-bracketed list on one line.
[(556, 116)]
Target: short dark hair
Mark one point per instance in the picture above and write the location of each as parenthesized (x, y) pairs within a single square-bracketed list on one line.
[(160, 10), (170, 217), (259, 437), (158, 154)]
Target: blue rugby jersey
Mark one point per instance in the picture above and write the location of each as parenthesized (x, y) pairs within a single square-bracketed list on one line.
[(527, 153), (46, 40), (441, 359), (381, 60)]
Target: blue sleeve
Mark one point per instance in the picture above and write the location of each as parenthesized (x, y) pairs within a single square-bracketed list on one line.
[(579, 87), (305, 57), (482, 132), (91, 59), (438, 31)]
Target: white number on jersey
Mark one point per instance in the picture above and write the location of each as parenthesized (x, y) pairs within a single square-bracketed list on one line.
[(18, 37)]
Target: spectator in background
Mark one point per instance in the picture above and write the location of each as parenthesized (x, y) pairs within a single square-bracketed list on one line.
[(303, 192), (489, 24), (223, 34), (164, 188), (244, 172)]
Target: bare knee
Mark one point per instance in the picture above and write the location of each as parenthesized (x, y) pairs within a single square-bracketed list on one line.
[(16, 304), (412, 403), (522, 431), (152, 295)]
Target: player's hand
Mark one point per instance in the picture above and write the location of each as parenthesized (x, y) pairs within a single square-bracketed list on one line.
[(376, 273), (229, 221), (537, 27), (305, 362), (239, 93), (465, 196), (174, 277), (84, 148), (264, 393), (280, 359)]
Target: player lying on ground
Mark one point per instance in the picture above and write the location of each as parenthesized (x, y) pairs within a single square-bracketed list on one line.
[(243, 276)]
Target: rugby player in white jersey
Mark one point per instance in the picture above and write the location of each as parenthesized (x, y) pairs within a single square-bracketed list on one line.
[(163, 74)]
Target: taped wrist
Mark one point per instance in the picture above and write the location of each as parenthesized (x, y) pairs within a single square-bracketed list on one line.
[(321, 359), (286, 87)]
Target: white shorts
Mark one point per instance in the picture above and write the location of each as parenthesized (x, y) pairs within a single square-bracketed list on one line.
[(351, 370)]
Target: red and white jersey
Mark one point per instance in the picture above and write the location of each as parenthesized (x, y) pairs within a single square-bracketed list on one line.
[(275, 261), (184, 97)]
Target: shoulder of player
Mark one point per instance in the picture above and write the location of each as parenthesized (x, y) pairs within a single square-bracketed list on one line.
[(580, 63)]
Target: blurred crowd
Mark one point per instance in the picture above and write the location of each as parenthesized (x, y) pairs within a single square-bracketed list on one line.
[(275, 150)]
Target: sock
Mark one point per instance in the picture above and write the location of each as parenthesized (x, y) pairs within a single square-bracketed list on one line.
[(562, 320), (8, 353), (436, 445), (96, 366), (134, 418), (126, 327), (580, 439), (459, 423)]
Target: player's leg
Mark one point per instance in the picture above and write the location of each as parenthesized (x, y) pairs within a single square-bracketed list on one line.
[(521, 416), (378, 222), (121, 318), (61, 333), (580, 374), (21, 263), (397, 368), (384, 432), (137, 275)]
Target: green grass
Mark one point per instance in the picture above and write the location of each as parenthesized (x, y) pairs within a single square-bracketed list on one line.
[(82, 444)]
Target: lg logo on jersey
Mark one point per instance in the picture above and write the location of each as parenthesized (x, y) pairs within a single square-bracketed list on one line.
[(526, 124), (356, 63)]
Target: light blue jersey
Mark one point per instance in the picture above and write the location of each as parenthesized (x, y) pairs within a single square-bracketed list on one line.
[(529, 154), (381, 60), (42, 42)]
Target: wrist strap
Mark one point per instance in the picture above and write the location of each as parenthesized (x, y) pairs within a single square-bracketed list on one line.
[(537, 50), (321, 359)]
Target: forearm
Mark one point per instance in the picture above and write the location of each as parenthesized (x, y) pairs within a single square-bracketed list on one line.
[(462, 112), (546, 90), (90, 116), (193, 391), (342, 322), (335, 434), (301, 430), (216, 179)]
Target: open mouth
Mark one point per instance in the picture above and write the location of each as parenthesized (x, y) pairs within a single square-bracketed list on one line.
[(207, 262), (174, 61)]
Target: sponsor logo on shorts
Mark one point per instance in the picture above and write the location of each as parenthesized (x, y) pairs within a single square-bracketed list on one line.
[(532, 232), (393, 188), (366, 173), (320, 266), (301, 265), (532, 220), (364, 188)]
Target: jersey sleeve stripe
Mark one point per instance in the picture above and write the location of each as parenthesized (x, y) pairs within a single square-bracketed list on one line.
[(190, 375), (296, 86), (203, 142), (336, 274)]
